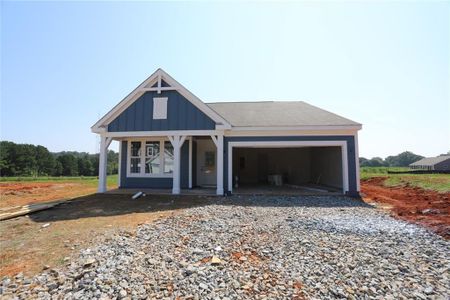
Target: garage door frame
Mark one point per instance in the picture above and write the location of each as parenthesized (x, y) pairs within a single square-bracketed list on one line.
[(289, 144)]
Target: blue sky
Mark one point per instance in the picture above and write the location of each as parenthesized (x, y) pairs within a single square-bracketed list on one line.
[(383, 64)]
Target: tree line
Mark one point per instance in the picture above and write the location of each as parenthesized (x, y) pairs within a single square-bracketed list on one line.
[(31, 160), (403, 159)]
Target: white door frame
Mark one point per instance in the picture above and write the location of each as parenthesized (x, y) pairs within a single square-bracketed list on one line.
[(289, 144)]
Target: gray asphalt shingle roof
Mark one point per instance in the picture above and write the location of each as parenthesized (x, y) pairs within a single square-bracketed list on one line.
[(430, 161), (277, 113)]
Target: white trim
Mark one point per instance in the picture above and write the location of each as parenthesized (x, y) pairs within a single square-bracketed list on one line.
[(120, 165), (142, 134), (142, 155), (128, 134), (177, 143), (300, 127), (155, 89), (288, 132), (103, 163), (214, 139), (101, 124), (289, 144), (190, 162), (358, 176), (219, 152)]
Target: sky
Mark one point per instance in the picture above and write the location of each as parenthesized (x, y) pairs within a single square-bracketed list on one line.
[(383, 64)]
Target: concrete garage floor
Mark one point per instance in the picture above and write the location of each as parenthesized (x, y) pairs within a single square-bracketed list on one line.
[(287, 190)]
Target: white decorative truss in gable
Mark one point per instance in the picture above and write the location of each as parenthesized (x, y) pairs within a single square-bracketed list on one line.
[(155, 83)]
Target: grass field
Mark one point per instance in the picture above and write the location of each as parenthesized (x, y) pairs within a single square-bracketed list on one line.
[(112, 179), (435, 182)]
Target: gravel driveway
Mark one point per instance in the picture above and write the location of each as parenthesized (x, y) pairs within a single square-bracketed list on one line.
[(259, 248)]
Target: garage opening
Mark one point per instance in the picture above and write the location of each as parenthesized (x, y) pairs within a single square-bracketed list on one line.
[(292, 170)]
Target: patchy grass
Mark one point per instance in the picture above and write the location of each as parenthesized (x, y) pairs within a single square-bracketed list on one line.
[(435, 182), (369, 172)]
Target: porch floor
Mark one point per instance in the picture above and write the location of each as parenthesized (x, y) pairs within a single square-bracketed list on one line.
[(194, 191)]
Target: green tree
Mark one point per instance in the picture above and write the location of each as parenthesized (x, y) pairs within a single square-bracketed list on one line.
[(376, 162), (69, 165), (24, 160), (45, 161), (58, 169), (6, 163), (403, 159)]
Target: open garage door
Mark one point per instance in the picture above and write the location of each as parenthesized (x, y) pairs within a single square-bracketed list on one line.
[(300, 167)]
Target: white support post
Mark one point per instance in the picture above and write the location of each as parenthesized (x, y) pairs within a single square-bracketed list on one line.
[(103, 159), (177, 141), (219, 165), (218, 141), (190, 162), (358, 176)]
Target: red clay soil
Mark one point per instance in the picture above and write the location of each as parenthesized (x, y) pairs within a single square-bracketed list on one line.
[(424, 207)]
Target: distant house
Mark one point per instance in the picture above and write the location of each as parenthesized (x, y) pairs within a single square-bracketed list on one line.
[(170, 139), (440, 163)]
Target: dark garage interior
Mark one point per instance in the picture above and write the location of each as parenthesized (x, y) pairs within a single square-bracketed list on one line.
[(310, 168)]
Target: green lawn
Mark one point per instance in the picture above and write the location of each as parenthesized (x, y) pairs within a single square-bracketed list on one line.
[(112, 179), (435, 182)]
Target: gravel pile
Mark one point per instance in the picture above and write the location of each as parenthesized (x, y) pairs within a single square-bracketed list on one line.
[(258, 248)]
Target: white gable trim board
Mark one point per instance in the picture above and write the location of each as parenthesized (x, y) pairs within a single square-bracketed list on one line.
[(236, 137)]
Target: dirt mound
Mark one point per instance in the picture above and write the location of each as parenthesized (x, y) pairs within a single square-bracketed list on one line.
[(414, 204)]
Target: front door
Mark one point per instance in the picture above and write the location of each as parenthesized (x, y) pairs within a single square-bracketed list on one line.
[(206, 163)]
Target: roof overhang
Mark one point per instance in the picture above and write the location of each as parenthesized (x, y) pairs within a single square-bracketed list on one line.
[(355, 127)]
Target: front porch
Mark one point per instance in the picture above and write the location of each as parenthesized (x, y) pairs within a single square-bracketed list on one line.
[(166, 163)]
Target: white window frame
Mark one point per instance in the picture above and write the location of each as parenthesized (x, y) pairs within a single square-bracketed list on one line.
[(142, 154)]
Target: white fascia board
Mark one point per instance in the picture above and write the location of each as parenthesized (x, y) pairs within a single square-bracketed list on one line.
[(142, 88), (315, 127), (288, 132), (126, 134)]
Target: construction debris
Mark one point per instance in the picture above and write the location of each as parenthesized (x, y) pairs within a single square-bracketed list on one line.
[(18, 211), (138, 195)]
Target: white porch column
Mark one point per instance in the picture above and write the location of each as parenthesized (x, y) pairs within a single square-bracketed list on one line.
[(177, 141), (218, 140), (102, 163)]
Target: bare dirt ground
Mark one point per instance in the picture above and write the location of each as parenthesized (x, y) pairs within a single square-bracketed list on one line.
[(26, 246), (23, 193), (425, 207)]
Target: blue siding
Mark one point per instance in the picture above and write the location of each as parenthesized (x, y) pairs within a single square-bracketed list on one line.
[(350, 153), (158, 183), (181, 115)]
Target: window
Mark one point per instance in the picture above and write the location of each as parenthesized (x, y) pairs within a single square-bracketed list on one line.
[(135, 158), (150, 158), (159, 108), (210, 159), (168, 157)]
